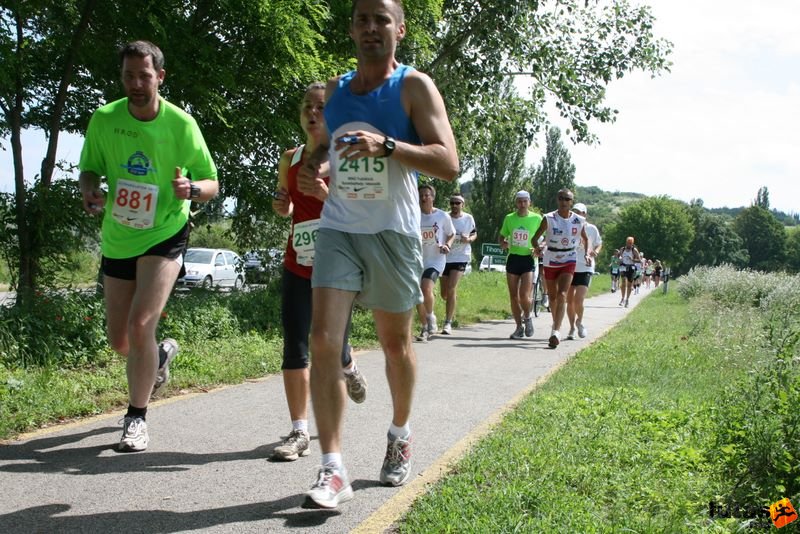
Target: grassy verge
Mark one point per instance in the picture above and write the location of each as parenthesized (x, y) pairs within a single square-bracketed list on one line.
[(616, 441)]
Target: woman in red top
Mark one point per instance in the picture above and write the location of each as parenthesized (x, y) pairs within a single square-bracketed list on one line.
[(296, 293)]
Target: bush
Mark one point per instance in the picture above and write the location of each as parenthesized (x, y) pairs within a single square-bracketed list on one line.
[(758, 443), (65, 328)]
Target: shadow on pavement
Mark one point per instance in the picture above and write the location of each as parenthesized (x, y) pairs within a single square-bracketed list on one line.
[(34, 457)]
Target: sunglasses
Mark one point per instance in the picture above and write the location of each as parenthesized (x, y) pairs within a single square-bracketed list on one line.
[(565, 199), (455, 203)]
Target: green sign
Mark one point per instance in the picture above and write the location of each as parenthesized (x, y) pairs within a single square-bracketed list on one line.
[(492, 249)]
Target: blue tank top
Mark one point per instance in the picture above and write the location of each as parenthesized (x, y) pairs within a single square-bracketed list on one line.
[(395, 207)]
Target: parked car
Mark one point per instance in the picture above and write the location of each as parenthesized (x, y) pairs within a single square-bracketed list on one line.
[(260, 265), (212, 267), (493, 263)]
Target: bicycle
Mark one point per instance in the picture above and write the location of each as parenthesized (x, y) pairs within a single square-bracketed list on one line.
[(540, 299)]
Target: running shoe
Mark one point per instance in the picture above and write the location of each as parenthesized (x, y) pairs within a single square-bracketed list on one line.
[(331, 488), (397, 463), (554, 339), (627, 302), (432, 326), (581, 330), (519, 333), (622, 302), (296, 444), (571, 334), (134, 435), (356, 386), (423, 335), (528, 327), (447, 329), (167, 350)]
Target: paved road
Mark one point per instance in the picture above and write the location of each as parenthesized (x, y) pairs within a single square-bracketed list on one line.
[(207, 466)]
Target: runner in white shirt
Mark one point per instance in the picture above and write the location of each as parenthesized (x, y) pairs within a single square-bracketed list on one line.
[(563, 229), (437, 232), (584, 269), (457, 260)]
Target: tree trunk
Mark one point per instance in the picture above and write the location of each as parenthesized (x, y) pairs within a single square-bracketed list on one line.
[(26, 272), (49, 161)]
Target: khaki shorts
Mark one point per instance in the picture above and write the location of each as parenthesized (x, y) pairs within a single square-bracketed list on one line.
[(383, 268)]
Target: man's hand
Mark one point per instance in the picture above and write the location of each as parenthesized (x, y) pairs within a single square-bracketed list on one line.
[(181, 185), (310, 180), (93, 201)]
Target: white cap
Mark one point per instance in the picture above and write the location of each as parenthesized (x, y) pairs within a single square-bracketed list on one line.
[(523, 194), (581, 207)]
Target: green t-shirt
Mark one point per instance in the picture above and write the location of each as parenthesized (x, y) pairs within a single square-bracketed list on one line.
[(139, 158), (519, 231)]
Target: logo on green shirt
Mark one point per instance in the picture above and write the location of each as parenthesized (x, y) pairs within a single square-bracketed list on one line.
[(138, 164)]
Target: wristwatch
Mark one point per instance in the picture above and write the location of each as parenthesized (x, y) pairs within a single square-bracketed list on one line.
[(194, 191), (389, 145)]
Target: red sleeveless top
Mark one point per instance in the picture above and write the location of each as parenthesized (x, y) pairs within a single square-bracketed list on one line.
[(306, 208)]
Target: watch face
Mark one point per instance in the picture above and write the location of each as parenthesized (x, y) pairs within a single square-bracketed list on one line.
[(389, 144)]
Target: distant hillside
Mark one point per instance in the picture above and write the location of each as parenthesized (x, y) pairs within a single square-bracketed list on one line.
[(603, 206), (786, 219)]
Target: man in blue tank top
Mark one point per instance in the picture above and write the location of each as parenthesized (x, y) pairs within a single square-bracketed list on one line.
[(386, 122)]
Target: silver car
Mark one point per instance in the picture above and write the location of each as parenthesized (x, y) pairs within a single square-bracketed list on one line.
[(212, 267)]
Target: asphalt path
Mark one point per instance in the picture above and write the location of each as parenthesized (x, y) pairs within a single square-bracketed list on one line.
[(207, 468)]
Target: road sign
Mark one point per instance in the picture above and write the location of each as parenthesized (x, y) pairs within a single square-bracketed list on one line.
[(492, 249)]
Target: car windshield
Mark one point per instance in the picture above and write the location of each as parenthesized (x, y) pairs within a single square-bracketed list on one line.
[(198, 256)]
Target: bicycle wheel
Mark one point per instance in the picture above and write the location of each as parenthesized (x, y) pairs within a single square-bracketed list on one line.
[(538, 295)]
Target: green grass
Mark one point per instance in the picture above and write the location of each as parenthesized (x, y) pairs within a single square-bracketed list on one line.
[(616, 441)]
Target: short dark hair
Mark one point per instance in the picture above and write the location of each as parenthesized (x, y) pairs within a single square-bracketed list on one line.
[(398, 4), (143, 49)]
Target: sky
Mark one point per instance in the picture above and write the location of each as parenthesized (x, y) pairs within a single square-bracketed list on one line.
[(723, 123)]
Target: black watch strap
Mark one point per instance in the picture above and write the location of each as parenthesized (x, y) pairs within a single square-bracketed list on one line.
[(389, 145), (194, 191)]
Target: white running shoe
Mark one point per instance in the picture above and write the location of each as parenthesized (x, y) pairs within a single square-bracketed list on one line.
[(167, 350), (356, 386), (423, 335), (447, 329), (581, 330), (571, 334), (432, 326), (397, 462), (331, 488), (293, 447), (134, 435)]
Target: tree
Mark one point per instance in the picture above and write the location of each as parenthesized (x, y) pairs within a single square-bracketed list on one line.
[(569, 51), (661, 226), (239, 67), (498, 176), (555, 172), (762, 198), (715, 241), (764, 238), (793, 250)]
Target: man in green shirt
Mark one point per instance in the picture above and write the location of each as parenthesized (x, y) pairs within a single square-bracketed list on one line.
[(516, 236), (145, 147)]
